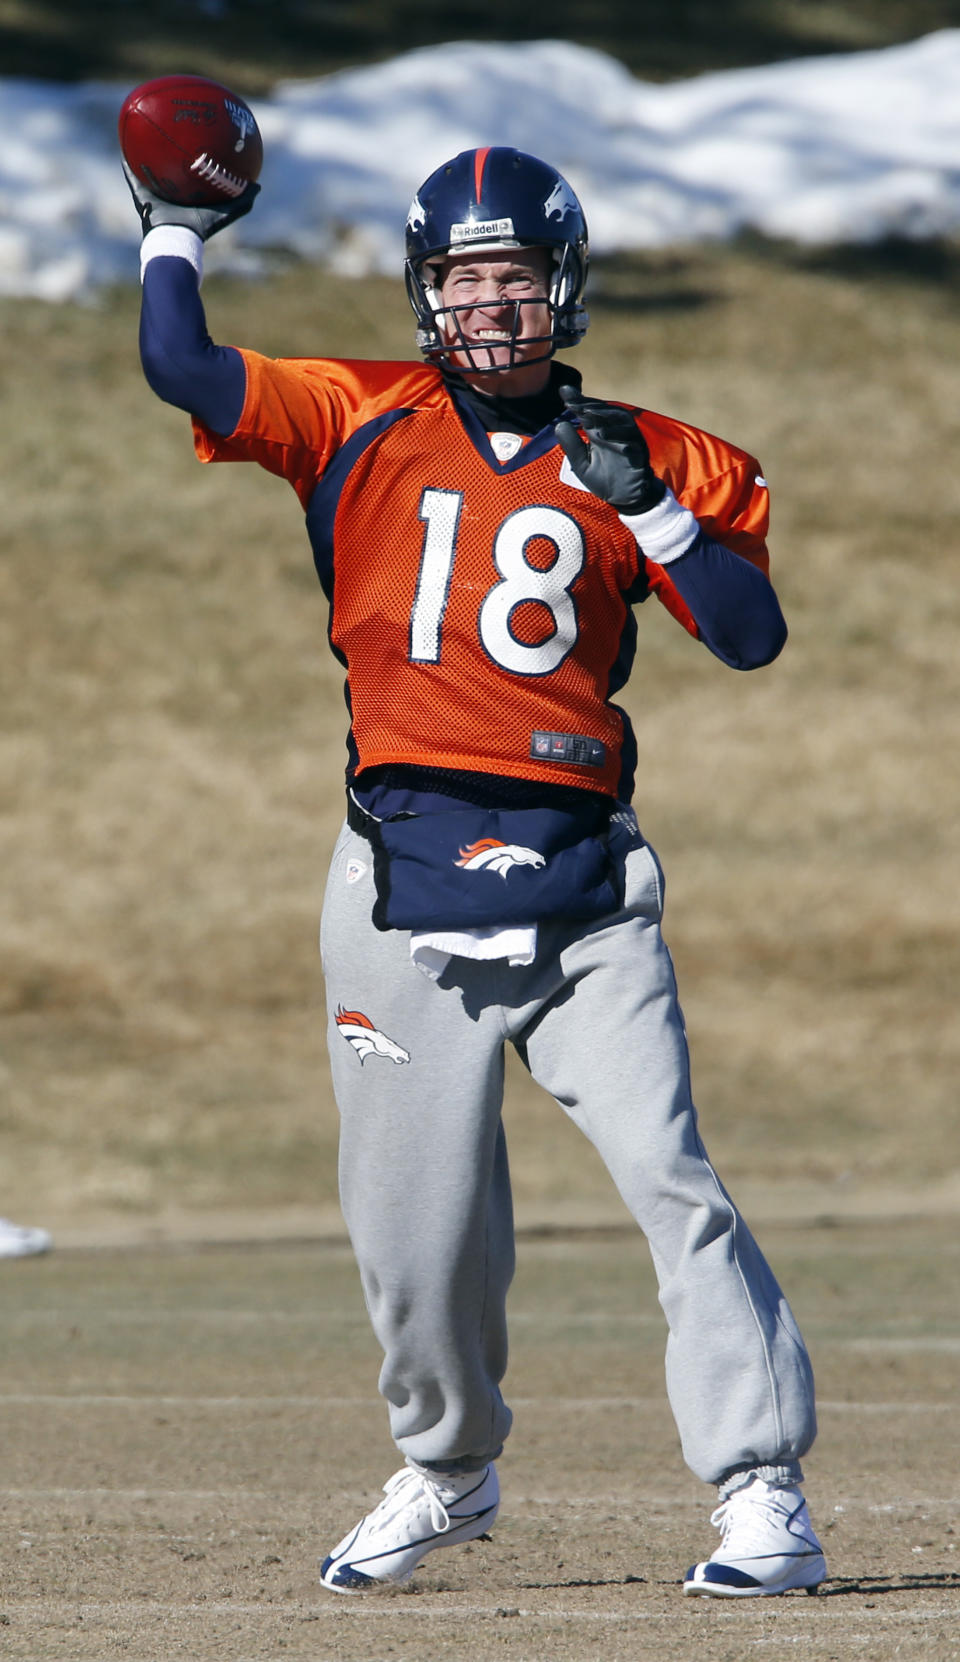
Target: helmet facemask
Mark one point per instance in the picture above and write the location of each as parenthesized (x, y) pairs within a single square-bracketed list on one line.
[(440, 334)]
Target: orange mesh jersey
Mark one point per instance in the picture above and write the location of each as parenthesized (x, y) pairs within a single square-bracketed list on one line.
[(482, 608)]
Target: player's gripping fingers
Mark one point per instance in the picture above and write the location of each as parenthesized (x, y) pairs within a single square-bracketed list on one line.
[(143, 200), (205, 221)]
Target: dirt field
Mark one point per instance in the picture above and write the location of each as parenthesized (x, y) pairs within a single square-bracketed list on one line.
[(186, 1432)]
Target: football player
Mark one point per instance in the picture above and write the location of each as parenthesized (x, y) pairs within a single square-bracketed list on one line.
[(483, 530)]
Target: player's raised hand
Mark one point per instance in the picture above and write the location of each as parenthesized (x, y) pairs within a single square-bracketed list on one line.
[(206, 221), (615, 465)]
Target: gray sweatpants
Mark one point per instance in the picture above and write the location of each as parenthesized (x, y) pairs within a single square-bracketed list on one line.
[(418, 1076)]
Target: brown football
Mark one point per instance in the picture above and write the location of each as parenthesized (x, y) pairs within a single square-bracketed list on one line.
[(190, 140)]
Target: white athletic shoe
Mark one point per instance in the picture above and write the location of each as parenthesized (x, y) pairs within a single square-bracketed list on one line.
[(420, 1512), (767, 1546), (18, 1242)]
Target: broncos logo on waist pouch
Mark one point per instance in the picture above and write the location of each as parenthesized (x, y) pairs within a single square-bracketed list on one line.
[(473, 868)]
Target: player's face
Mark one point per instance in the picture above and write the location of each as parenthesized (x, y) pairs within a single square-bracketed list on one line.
[(495, 309)]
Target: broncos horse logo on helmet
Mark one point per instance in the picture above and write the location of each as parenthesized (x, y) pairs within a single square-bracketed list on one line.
[(496, 199)]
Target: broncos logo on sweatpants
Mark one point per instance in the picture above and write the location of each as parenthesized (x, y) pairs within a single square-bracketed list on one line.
[(366, 1039)]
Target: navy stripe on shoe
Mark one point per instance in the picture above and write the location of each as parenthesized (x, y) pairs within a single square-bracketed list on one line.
[(723, 1575)]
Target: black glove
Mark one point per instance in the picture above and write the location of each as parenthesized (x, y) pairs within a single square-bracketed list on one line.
[(616, 464), (153, 210)]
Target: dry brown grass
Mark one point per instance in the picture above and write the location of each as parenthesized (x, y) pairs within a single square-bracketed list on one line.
[(171, 729)]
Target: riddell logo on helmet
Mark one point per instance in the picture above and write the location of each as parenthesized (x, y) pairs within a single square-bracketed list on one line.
[(481, 230), (489, 854)]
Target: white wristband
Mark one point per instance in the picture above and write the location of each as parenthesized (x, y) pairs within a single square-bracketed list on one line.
[(177, 240), (665, 532)]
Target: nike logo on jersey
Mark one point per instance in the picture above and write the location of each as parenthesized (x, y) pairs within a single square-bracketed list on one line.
[(489, 854), (367, 1040)]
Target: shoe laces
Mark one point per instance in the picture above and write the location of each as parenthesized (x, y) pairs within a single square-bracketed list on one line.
[(751, 1511), (401, 1491)]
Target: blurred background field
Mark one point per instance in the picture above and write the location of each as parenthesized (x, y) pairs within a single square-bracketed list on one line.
[(172, 724), (252, 44)]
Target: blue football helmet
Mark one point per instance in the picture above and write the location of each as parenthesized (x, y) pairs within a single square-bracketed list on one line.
[(495, 199)]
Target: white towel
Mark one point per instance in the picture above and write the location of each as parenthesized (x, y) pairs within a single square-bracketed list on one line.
[(431, 950)]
